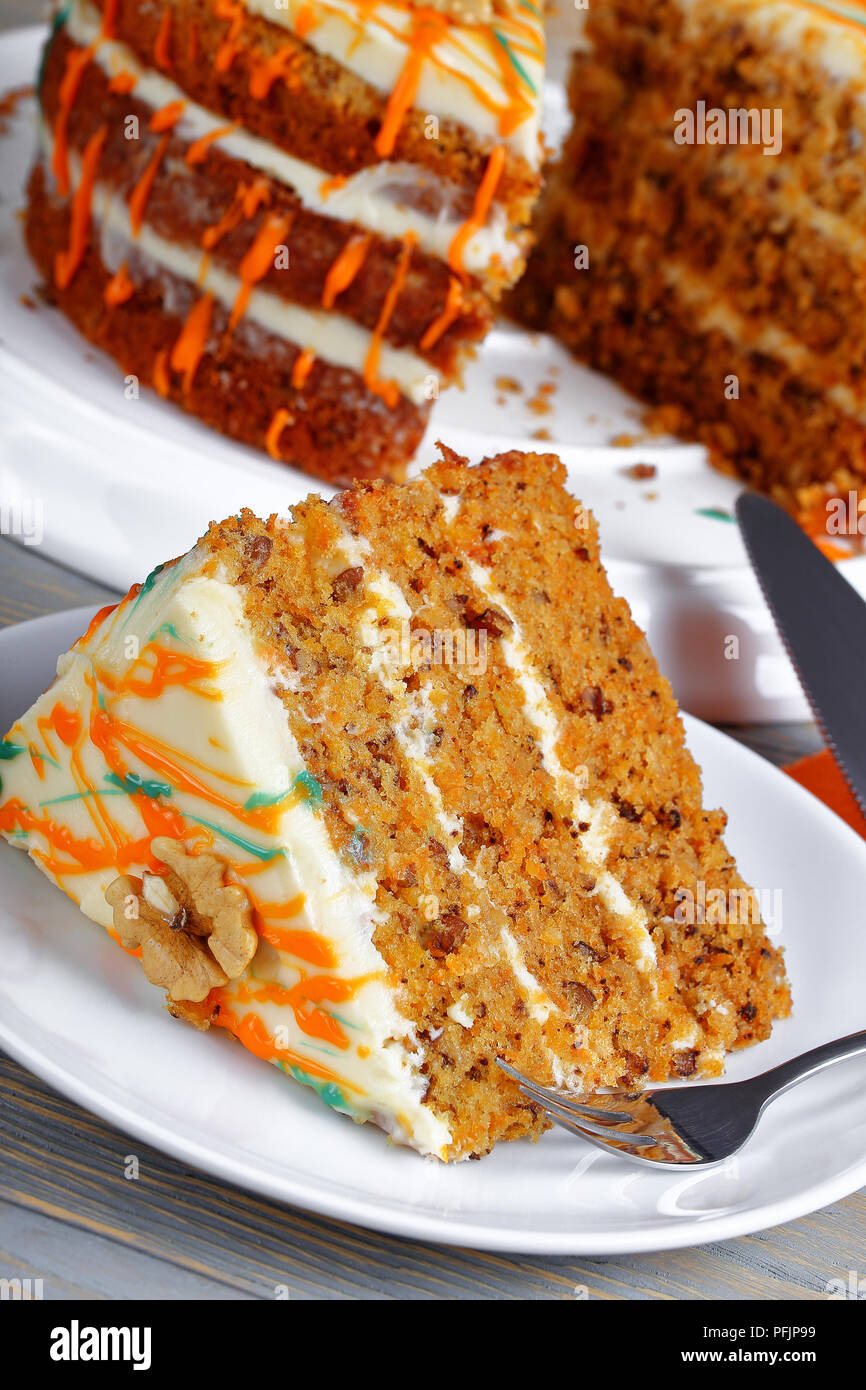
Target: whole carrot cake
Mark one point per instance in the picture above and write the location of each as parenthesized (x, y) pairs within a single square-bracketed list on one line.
[(290, 217), (701, 237), (391, 790)]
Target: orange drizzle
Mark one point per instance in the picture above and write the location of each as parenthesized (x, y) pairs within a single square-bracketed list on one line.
[(345, 268), (281, 418), (304, 999), (329, 186), (305, 20), (199, 148), (162, 43), (453, 305), (264, 71), (388, 390), (428, 27), (122, 83), (187, 351), (161, 380), (255, 1037), (109, 18), (302, 366), (230, 46), (119, 289), (259, 260), (66, 724), (483, 198), (140, 194), (305, 945), (286, 907), (192, 43), (167, 117), (247, 200), (106, 731), (67, 262), (76, 62), (168, 668), (96, 621)]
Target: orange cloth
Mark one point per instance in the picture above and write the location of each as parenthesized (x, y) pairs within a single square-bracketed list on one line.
[(820, 775)]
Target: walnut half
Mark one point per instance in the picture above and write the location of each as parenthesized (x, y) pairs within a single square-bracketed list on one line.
[(195, 931)]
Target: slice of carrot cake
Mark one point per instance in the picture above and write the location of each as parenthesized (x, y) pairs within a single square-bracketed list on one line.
[(290, 217), (394, 789), (702, 237)]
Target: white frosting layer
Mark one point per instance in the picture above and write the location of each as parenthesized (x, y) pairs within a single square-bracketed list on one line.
[(226, 729), (370, 40), (331, 337), (370, 198)]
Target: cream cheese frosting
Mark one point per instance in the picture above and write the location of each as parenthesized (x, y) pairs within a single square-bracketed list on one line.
[(164, 720)]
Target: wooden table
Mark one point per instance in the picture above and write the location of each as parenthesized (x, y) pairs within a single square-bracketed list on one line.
[(69, 1217)]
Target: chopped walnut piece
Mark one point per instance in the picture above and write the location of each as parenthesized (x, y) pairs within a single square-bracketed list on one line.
[(220, 911), (685, 1062), (346, 582), (492, 621), (172, 959), (194, 931)]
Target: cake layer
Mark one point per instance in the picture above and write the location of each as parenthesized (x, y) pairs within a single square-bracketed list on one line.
[(252, 383), (221, 211), (278, 87)]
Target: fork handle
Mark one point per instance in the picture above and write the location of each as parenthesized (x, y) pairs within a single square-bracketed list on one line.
[(782, 1078)]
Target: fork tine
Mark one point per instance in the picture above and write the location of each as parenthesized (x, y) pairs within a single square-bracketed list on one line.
[(607, 1137), (580, 1114), (543, 1096)]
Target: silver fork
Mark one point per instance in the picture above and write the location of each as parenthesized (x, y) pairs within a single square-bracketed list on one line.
[(697, 1125)]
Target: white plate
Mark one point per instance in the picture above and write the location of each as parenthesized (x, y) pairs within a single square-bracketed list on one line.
[(122, 484), (79, 1013)]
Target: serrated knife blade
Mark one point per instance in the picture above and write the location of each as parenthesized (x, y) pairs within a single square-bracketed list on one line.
[(822, 621)]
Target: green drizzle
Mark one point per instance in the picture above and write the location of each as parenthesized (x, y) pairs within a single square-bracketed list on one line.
[(145, 589), (325, 1090), (714, 513), (134, 785), (844, 10), (9, 750), (258, 851), (172, 632), (515, 63), (57, 24), (311, 787), (79, 796), (304, 780), (265, 799)]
